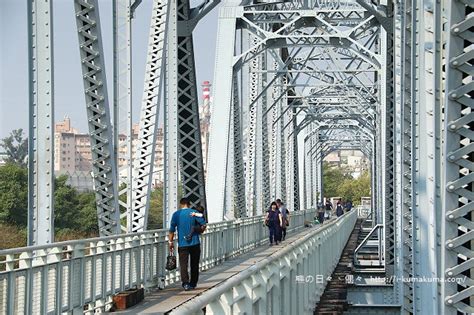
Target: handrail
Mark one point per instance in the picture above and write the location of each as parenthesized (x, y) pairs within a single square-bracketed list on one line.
[(68, 276), (377, 227), (332, 236)]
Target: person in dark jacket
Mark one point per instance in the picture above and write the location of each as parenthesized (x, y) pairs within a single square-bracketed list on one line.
[(339, 209), (274, 221)]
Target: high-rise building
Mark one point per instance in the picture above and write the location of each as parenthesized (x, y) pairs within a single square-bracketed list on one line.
[(72, 150)]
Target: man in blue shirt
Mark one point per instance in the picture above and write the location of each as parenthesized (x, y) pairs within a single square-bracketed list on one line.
[(189, 223)]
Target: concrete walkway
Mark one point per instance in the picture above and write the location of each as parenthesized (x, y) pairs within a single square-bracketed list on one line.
[(163, 301)]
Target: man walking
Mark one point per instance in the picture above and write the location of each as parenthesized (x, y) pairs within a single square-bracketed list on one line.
[(285, 215), (189, 247)]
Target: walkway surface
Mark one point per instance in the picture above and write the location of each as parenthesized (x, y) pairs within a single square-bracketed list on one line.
[(163, 301)]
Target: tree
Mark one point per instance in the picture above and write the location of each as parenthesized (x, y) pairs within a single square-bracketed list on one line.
[(338, 182), (155, 213), (65, 204), (14, 194), (88, 213), (333, 178), (16, 147)]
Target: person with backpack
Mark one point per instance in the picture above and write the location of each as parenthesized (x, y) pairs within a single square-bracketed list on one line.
[(185, 221), (339, 209), (285, 215), (329, 208), (274, 221)]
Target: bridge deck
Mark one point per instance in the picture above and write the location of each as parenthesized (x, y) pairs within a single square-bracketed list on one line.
[(163, 301)]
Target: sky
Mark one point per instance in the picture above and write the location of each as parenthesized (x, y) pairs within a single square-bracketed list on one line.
[(68, 86)]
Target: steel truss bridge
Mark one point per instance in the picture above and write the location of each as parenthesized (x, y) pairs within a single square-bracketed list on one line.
[(294, 81)]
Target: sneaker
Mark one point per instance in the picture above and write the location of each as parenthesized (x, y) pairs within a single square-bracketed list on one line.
[(193, 286), (187, 287)]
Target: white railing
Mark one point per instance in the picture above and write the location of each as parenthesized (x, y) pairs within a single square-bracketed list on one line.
[(291, 281), (84, 275)]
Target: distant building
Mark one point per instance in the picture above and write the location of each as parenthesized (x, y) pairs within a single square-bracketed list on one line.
[(354, 160), (72, 150)]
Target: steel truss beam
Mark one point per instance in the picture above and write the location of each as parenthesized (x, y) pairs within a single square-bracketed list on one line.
[(145, 154), (189, 134), (122, 46), (458, 177), (95, 89)]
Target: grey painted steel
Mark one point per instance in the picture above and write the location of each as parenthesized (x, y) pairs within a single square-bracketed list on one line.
[(41, 123), (219, 141), (238, 176), (170, 163), (144, 161), (426, 179), (66, 276), (95, 89), (259, 287), (456, 258), (122, 113), (189, 135)]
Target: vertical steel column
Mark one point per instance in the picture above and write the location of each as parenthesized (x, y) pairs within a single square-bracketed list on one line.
[(189, 130), (238, 167), (95, 89), (122, 48), (282, 144), (427, 156), (274, 143), (260, 172), (295, 168), (170, 165), (252, 132), (407, 60), (144, 163), (265, 157), (41, 123), (458, 179), (221, 116), (389, 154)]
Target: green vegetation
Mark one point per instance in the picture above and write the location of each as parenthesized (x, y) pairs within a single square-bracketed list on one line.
[(16, 147), (338, 182), (75, 215)]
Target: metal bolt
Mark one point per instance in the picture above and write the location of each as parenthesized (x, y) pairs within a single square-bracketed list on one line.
[(453, 126), (450, 245), (456, 30), (451, 187), (454, 95)]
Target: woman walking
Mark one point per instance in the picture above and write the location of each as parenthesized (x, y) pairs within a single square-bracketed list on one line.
[(273, 221)]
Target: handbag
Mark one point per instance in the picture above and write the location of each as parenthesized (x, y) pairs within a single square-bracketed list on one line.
[(171, 262)]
